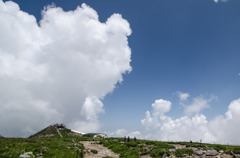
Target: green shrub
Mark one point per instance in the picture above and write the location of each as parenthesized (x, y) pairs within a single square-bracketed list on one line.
[(131, 144), (94, 151), (119, 149), (220, 147), (144, 151), (180, 152), (158, 152), (130, 154)]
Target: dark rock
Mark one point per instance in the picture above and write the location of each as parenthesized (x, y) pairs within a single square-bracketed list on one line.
[(211, 153)]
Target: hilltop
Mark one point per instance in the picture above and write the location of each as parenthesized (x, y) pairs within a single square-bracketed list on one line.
[(55, 130)]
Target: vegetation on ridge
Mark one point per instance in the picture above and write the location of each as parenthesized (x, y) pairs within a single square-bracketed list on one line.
[(47, 147), (56, 141)]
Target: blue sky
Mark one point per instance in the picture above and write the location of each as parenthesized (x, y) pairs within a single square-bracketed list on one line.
[(188, 46)]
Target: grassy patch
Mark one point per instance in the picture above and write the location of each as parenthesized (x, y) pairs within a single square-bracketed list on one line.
[(135, 149), (94, 151), (158, 152), (48, 147), (181, 152)]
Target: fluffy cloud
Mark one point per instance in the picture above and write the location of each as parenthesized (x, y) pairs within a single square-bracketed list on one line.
[(124, 132), (183, 96), (60, 69), (216, 1), (161, 106), (222, 129), (197, 105)]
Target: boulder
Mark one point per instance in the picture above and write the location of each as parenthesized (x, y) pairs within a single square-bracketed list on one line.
[(172, 150), (164, 155), (172, 156), (221, 152), (26, 155), (234, 155), (211, 153), (199, 152)]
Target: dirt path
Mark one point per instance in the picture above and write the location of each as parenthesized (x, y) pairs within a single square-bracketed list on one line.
[(102, 151), (179, 146)]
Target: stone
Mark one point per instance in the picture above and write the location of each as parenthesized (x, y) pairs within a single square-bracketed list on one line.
[(38, 155), (172, 156), (185, 155), (234, 155), (199, 152), (164, 155), (211, 153), (44, 149), (221, 151), (74, 144), (172, 150), (26, 155)]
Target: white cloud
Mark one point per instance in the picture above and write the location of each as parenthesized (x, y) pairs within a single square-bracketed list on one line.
[(124, 132), (222, 129), (216, 1), (197, 105), (119, 133), (183, 96), (226, 128), (161, 106), (59, 70)]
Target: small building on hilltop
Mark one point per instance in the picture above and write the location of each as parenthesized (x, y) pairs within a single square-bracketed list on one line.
[(100, 135)]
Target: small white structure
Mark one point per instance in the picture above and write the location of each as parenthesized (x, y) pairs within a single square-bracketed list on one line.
[(100, 135)]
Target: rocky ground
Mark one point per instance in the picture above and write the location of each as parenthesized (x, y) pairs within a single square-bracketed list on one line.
[(101, 150), (199, 152)]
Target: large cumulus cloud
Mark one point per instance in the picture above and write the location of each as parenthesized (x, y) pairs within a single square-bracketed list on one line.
[(222, 129), (60, 69)]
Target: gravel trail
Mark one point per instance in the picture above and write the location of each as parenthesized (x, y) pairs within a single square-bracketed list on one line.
[(102, 151)]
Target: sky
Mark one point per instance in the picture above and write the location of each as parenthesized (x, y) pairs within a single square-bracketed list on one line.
[(154, 69)]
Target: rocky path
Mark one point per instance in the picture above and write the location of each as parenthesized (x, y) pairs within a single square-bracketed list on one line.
[(102, 151), (210, 153)]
